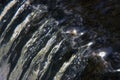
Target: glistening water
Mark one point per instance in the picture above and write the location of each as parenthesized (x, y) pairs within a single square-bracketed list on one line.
[(59, 40)]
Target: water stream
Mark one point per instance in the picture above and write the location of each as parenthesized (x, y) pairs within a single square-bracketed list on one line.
[(59, 40)]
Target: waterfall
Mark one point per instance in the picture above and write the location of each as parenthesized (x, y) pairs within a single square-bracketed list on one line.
[(59, 40)]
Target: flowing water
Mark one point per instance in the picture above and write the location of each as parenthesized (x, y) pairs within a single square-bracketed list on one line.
[(59, 40)]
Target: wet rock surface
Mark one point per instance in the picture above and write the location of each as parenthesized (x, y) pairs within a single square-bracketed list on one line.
[(59, 40)]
